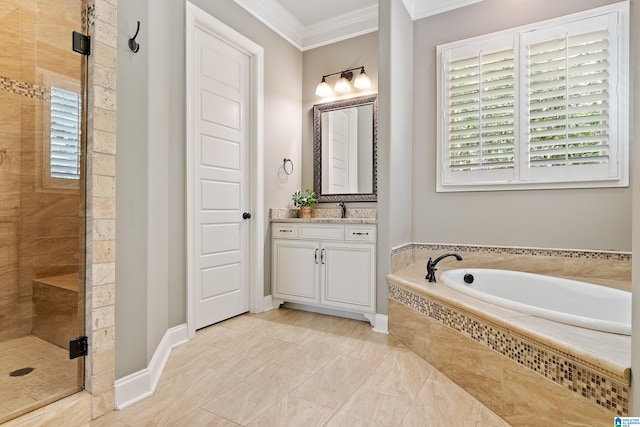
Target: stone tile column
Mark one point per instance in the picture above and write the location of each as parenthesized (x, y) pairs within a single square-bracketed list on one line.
[(101, 211)]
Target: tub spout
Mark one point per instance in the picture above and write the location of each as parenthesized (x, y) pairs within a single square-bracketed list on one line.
[(431, 265)]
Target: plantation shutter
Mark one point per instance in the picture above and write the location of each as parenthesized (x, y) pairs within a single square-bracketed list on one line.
[(540, 106), (570, 132), (64, 147), (480, 113)]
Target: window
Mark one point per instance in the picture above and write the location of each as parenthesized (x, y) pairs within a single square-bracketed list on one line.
[(59, 124), (542, 106), (64, 144)]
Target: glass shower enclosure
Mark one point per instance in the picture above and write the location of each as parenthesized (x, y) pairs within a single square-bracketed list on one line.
[(42, 203)]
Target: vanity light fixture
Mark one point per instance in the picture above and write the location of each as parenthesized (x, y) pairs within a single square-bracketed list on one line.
[(362, 81)]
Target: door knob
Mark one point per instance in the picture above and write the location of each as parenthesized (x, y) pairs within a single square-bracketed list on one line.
[(246, 215)]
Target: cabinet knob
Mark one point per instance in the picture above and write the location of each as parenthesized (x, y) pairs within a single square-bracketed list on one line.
[(246, 215)]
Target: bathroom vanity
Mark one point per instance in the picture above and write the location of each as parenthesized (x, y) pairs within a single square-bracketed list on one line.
[(327, 263)]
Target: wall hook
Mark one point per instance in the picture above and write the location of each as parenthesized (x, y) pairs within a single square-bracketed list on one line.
[(133, 44), (289, 170)]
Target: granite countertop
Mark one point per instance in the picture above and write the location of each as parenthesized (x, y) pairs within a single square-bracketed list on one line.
[(327, 220), (325, 216)]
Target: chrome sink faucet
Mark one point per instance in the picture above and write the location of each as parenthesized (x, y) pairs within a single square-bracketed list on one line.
[(343, 210), (431, 265)]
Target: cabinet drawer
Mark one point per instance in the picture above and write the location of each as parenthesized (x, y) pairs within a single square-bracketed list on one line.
[(360, 233), (322, 231), (284, 230)]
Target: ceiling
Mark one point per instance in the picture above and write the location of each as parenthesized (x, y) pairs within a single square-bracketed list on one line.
[(309, 24)]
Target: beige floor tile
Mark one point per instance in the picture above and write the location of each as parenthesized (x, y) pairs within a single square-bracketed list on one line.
[(263, 352), (363, 343), (441, 402), (370, 408), (293, 368), (209, 336), (242, 340), (194, 361), (336, 382), (312, 355), (177, 400), (290, 412), (256, 394), (108, 420), (401, 374), (202, 418)]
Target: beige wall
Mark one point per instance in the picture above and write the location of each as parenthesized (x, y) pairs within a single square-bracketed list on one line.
[(394, 138), (151, 263), (582, 219), (351, 53), (635, 182)]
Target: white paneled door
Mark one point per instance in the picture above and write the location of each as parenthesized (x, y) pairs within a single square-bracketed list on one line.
[(221, 137)]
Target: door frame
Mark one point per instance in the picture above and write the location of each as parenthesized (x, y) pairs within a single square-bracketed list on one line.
[(198, 18)]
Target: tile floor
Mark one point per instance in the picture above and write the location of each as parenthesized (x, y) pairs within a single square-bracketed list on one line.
[(293, 368), (53, 375)]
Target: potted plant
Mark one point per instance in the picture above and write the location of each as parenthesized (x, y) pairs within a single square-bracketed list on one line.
[(305, 200)]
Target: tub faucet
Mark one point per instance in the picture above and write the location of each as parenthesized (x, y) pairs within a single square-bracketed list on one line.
[(343, 210), (431, 265)]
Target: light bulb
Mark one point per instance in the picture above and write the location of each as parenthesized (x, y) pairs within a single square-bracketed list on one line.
[(342, 85), (362, 81), (323, 88)]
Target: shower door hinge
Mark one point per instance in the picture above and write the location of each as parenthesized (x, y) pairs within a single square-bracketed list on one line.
[(78, 347), (81, 43)]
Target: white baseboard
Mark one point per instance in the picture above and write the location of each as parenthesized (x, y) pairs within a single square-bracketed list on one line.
[(381, 324), (142, 384), (267, 303)]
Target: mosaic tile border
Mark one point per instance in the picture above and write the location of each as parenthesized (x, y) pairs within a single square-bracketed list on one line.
[(555, 365), (506, 250), (88, 17), (29, 90)]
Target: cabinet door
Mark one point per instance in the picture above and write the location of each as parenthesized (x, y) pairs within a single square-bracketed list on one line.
[(348, 276), (295, 270)]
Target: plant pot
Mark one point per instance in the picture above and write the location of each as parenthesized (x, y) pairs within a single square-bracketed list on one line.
[(305, 212)]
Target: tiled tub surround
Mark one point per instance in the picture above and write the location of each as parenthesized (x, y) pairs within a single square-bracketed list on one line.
[(528, 370)]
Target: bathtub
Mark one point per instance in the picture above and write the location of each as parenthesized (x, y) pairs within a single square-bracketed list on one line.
[(567, 301)]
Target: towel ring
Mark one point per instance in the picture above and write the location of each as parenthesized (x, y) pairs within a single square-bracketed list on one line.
[(286, 162)]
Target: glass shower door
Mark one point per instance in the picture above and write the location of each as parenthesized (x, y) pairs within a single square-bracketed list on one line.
[(41, 202)]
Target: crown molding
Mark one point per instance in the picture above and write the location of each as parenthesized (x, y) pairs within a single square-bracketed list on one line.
[(410, 5), (342, 27), (421, 9), (276, 17)]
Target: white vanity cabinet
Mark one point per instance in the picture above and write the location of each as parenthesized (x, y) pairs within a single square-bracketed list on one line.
[(325, 265)]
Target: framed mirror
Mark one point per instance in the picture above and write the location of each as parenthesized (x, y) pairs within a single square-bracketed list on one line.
[(345, 137)]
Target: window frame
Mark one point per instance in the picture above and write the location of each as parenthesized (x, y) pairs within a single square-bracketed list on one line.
[(46, 181), (620, 110)]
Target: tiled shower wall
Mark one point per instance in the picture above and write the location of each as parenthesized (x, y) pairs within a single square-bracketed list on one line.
[(100, 230), (39, 226)]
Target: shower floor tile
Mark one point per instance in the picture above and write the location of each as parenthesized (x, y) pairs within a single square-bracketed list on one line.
[(53, 377)]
